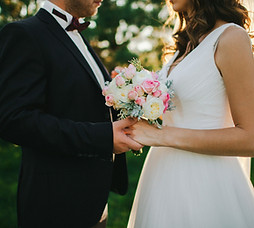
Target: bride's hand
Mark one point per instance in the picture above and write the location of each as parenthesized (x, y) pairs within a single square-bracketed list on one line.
[(144, 133)]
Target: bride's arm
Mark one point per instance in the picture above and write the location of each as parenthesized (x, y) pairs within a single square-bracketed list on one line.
[(234, 58)]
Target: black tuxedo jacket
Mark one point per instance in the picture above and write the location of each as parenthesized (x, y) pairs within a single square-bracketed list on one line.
[(51, 104)]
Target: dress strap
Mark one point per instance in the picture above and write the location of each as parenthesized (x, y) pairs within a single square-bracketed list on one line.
[(172, 59)]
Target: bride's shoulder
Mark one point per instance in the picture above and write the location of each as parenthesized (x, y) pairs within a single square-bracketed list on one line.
[(234, 37), (234, 50)]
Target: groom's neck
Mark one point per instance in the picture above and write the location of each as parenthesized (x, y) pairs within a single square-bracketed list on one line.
[(59, 3), (79, 8), (63, 4)]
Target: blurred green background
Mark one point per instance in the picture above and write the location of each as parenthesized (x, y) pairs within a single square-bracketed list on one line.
[(122, 29)]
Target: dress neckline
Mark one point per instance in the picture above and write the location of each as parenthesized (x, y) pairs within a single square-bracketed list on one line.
[(177, 52)]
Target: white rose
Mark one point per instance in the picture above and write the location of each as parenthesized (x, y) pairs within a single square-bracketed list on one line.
[(112, 87), (153, 108), (163, 88), (141, 76), (121, 94)]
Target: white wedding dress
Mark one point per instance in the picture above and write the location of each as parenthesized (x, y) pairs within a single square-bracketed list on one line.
[(181, 189)]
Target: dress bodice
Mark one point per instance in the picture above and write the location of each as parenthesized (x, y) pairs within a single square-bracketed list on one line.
[(200, 97)]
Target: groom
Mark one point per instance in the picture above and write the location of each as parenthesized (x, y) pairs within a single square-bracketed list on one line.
[(51, 104)]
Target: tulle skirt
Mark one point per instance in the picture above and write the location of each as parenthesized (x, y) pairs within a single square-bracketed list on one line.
[(180, 189)]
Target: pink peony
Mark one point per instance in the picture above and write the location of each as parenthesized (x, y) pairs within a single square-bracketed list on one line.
[(157, 93), (109, 100), (139, 90), (150, 86), (130, 72), (165, 97), (132, 95), (140, 101), (119, 81)]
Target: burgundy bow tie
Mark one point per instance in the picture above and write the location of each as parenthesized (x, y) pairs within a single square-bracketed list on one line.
[(74, 23)]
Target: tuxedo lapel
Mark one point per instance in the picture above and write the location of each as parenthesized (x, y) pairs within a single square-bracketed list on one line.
[(60, 34)]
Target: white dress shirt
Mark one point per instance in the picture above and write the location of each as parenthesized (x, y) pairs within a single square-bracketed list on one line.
[(77, 39)]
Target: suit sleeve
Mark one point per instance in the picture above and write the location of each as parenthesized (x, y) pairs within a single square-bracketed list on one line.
[(23, 84)]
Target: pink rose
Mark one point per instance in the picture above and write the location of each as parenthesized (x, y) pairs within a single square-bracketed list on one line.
[(105, 90), (166, 107), (155, 75), (119, 81), (132, 95), (157, 83), (150, 86), (130, 72), (140, 101), (165, 97), (116, 71), (109, 100), (157, 93), (139, 90)]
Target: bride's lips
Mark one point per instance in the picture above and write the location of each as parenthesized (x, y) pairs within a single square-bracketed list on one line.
[(98, 2)]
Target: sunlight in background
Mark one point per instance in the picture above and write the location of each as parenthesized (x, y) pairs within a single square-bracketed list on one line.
[(250, 6), (148, 37), (125, 31)]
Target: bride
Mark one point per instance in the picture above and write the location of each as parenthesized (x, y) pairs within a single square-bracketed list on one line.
[(192, 177)]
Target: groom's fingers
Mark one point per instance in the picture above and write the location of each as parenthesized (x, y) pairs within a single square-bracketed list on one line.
[(122, 142), (127, 122)]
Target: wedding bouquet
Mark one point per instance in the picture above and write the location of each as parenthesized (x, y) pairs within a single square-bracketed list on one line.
[(138, 93)]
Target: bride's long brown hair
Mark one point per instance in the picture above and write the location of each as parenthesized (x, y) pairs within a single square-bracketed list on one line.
[(204, 15)]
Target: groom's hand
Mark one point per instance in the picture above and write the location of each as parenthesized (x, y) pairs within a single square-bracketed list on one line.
[(122, 142)]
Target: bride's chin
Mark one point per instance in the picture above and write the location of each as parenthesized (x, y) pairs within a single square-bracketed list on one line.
[(176, 9)]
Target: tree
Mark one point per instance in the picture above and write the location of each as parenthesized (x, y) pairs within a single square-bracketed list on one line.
[(122, 29), (11, 10), (126, 28)]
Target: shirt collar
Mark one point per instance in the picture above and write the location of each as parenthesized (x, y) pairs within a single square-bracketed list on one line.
[(49, 6)]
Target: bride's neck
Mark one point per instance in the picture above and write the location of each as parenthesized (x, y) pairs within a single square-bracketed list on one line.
[(218, 23)]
